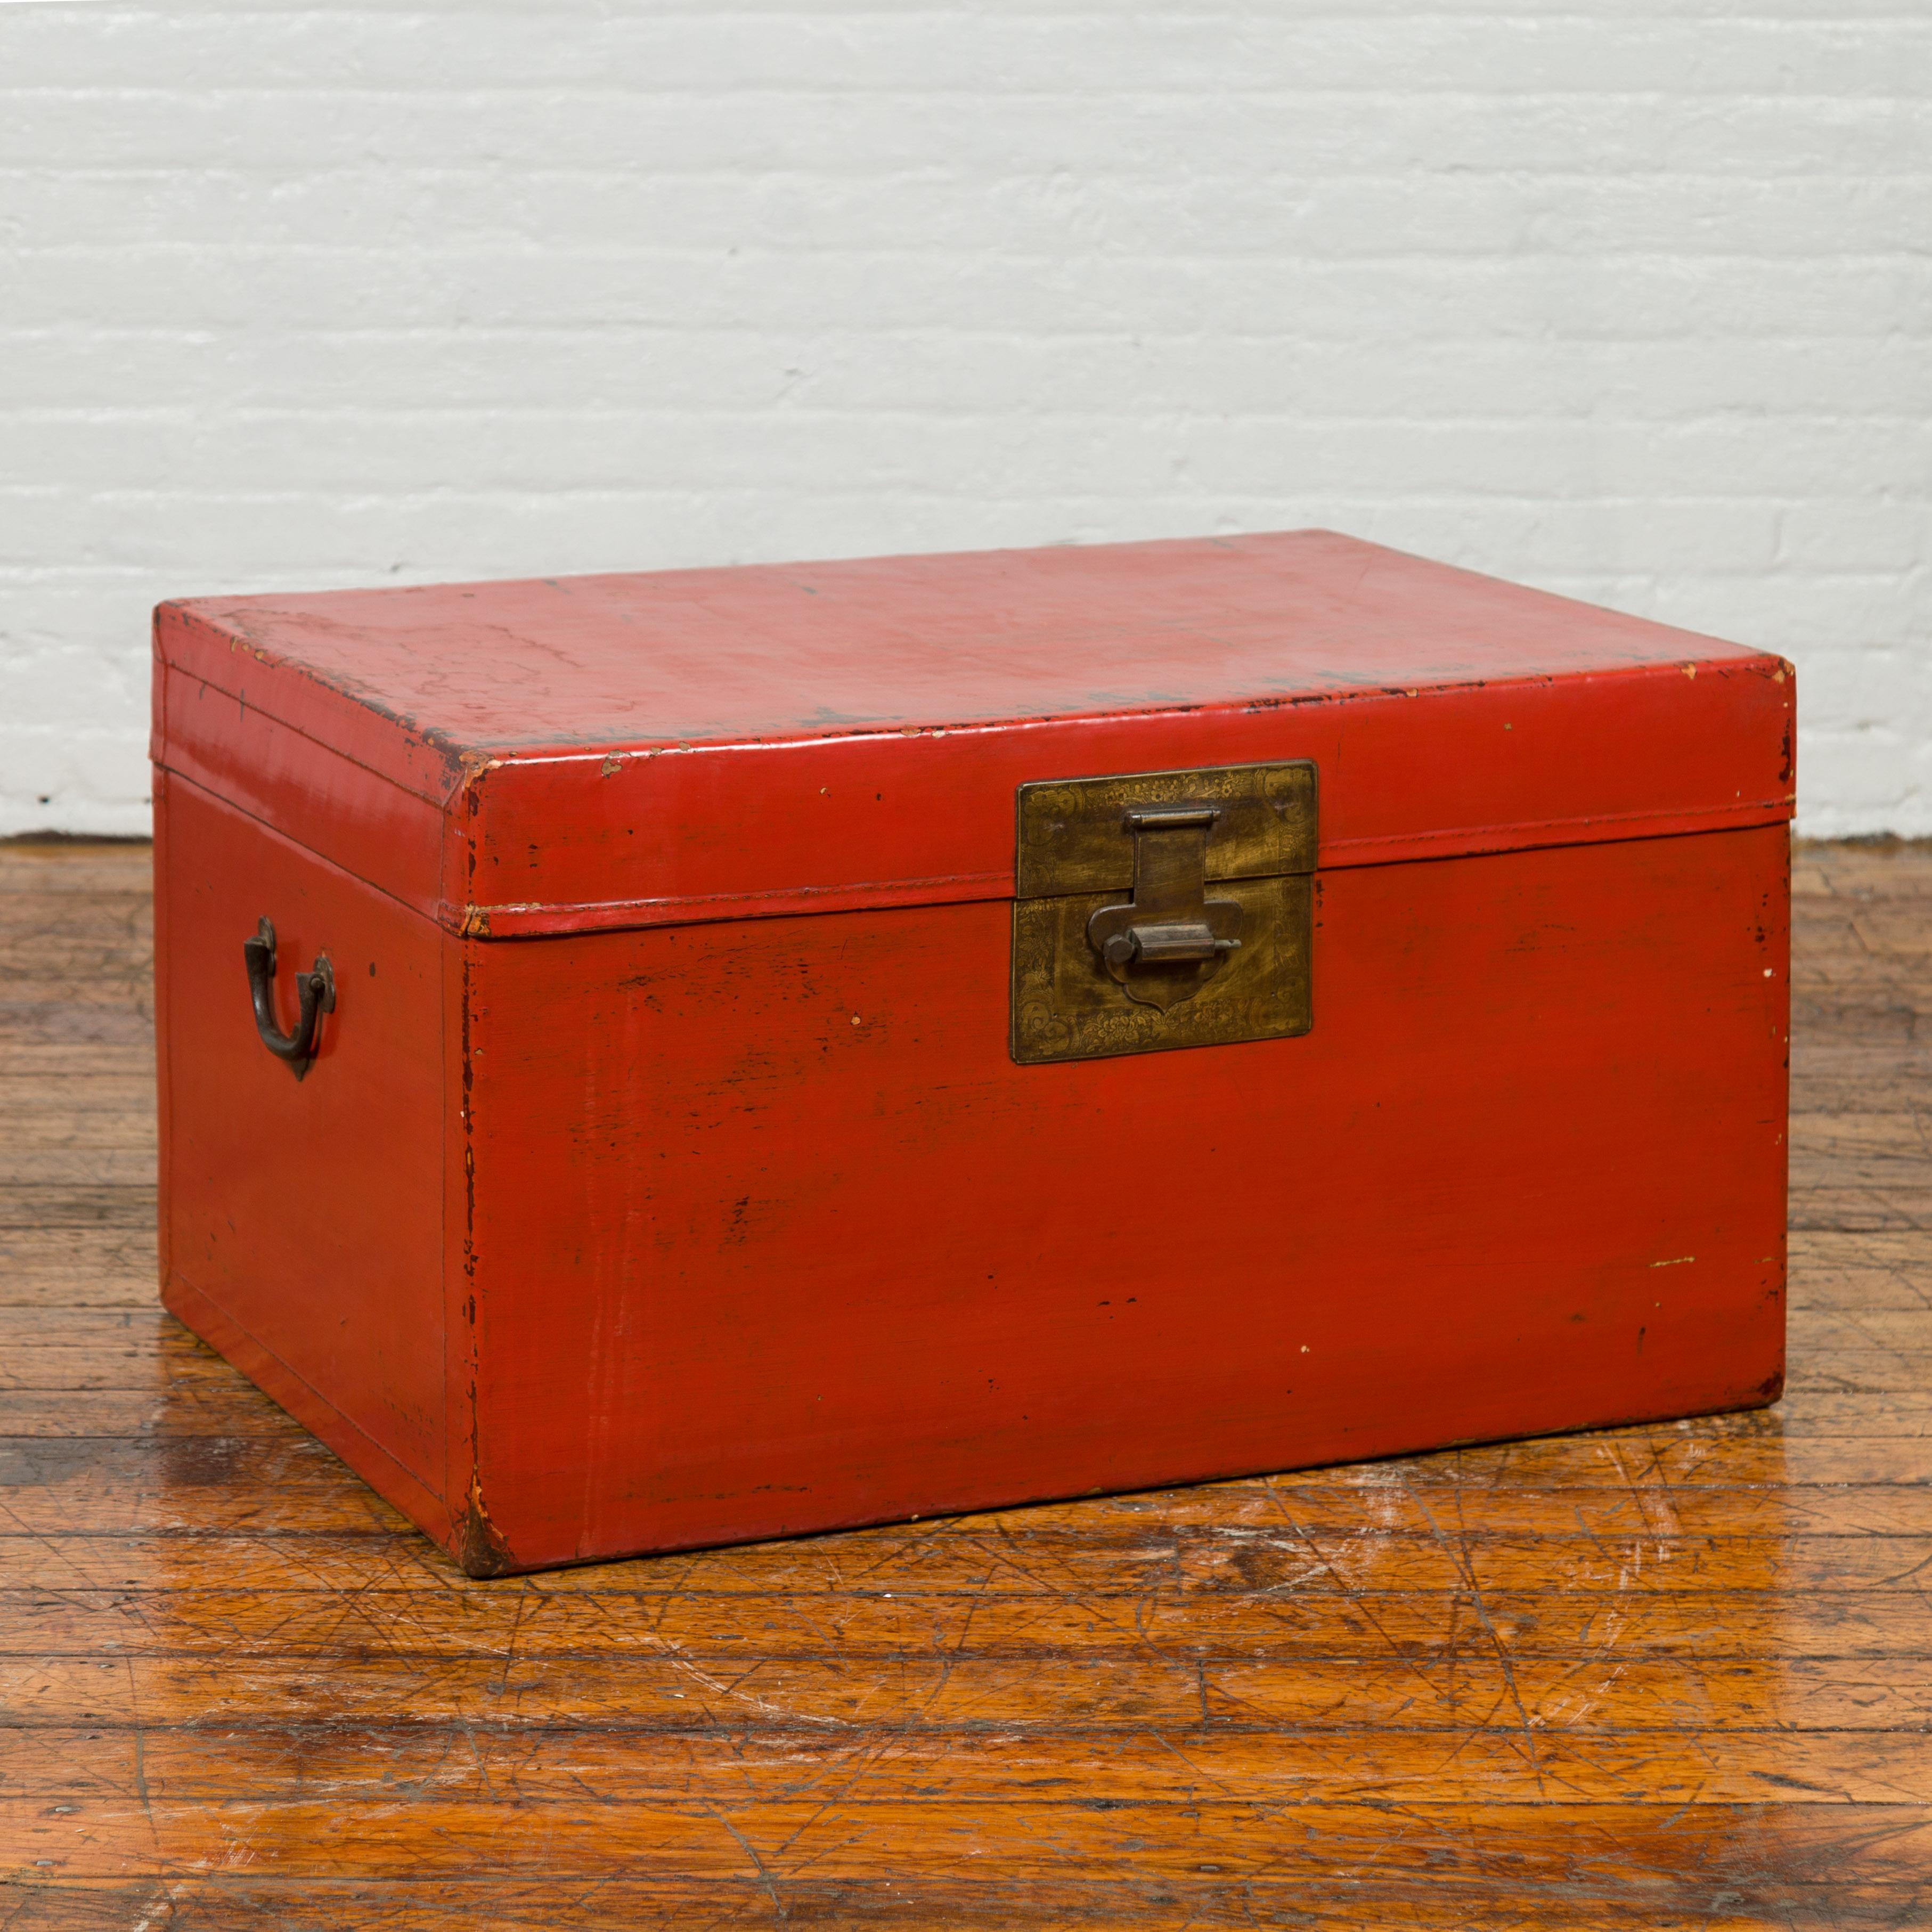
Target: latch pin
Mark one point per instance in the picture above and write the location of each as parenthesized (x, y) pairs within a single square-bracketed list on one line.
[(1171, 921)]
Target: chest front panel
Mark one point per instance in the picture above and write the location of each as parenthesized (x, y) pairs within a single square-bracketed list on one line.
[(771, 1231)]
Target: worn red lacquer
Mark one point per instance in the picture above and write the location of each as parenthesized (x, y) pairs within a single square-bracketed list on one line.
[(663, 1178)]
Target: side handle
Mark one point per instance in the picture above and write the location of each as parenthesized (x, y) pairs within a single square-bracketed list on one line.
[(315, 989)]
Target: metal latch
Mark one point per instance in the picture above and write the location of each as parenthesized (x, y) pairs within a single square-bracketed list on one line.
[(1171, 921), (1117, 946)]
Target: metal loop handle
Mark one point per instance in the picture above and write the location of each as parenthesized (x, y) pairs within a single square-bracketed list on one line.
[(315, 989)]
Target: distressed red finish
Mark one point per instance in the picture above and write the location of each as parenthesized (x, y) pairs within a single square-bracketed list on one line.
[(663, 1178)]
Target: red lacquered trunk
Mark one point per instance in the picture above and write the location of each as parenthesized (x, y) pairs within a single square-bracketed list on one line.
[(723, 1115)]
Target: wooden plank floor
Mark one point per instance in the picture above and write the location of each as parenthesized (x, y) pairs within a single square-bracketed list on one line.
[(1654, 1677)]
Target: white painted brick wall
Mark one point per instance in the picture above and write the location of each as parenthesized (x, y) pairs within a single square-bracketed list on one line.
[(1632, 303)]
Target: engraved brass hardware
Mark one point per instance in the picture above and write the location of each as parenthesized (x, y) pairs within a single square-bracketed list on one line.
[(315, 995), (1118, 946), (1171, 923)]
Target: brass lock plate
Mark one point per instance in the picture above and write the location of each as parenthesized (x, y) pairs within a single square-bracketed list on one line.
[(1163, 909)]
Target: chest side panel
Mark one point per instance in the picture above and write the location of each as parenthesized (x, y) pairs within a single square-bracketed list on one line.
[(338, 808), (771, 1234), (307, 1214)]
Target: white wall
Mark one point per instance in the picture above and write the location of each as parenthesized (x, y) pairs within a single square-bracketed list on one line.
[(1629, 304)]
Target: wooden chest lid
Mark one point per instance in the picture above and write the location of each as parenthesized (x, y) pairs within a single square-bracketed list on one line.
[(566, 753)]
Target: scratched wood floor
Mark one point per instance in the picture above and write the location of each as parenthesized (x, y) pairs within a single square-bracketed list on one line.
[(1657, 1678)]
